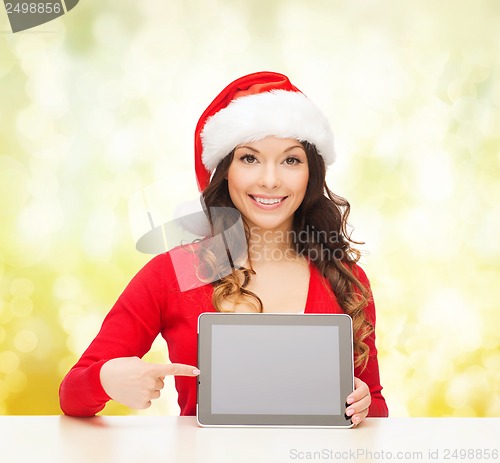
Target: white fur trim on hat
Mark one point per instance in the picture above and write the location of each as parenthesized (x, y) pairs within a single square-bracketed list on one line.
[(279, 113)]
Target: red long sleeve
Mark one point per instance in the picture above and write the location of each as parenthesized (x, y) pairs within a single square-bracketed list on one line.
[(153, 304), (370, 375), (128, 330)]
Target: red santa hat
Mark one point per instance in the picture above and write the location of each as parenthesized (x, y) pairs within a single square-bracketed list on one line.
[(254, 107)]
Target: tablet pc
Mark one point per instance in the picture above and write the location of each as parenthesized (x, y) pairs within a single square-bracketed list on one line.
[(274, 369)]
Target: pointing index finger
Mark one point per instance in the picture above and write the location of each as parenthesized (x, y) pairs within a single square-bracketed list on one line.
[(176, 369)]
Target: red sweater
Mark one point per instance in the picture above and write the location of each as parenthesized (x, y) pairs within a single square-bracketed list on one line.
[(152, 303)]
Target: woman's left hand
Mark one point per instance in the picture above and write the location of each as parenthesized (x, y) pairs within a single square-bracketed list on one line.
[(358, 402)]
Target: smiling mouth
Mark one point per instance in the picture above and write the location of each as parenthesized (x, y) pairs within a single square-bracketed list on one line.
[(268, 201)]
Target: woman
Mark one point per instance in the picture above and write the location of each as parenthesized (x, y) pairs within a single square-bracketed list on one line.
[(262, 148)]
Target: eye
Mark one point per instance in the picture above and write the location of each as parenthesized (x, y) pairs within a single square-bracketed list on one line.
[(248, 159), (292, 161)]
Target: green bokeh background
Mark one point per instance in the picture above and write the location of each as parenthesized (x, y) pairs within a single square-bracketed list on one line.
[(102, 102)]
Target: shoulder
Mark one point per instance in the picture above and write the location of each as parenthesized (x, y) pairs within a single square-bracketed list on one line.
[(157, 265), (360, 274), (174, 267), (363, 279), (181, 266)]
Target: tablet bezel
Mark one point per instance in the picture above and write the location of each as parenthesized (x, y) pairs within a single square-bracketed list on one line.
[(204, 394)]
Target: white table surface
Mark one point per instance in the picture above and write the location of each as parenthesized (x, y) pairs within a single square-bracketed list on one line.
[(179, 439)]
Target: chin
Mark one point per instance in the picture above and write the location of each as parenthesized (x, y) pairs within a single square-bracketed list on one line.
[(270, 225)]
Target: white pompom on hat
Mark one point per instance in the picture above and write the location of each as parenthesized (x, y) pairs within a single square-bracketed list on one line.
[(254, 107)]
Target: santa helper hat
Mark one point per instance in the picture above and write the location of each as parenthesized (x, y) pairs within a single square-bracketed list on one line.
[(254, 107)]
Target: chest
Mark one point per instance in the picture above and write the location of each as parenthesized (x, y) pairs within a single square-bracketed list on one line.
[(279, 292), (282, 287)]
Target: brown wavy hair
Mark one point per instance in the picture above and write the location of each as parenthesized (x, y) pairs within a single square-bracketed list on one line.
[(322, 220)]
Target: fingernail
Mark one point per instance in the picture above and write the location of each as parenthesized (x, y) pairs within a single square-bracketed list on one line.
[(196, 371), (355, 420), (350, 400), (349, 412)]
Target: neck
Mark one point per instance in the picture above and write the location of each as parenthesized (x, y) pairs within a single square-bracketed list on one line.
[(270, 245)]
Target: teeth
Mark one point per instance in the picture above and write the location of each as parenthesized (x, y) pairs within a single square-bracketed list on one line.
[(267, 201)]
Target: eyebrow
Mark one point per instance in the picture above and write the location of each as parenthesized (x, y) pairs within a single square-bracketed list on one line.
[(257, 151)]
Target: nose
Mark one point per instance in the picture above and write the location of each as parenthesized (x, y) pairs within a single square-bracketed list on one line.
[(270, 177)]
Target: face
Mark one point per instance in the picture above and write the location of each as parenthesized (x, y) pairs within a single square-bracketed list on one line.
[(267, 181)]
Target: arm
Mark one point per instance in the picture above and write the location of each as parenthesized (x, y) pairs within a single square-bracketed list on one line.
[(127, 331), (370, 375)]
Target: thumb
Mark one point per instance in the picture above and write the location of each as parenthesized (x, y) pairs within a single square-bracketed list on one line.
[(175, 369)]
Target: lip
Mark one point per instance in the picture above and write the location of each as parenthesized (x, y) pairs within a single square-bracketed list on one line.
[(267, 207)]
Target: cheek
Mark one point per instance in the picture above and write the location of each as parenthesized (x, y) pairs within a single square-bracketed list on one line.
[(301, 183), (235, 182)]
